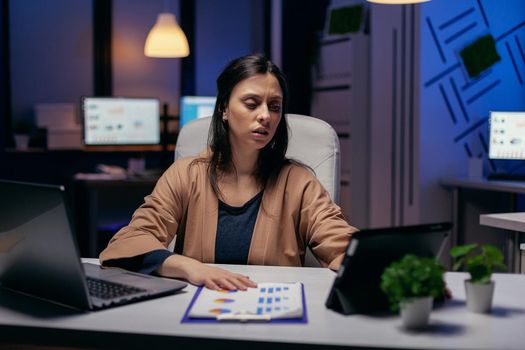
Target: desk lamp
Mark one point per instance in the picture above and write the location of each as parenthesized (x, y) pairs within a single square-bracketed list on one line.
[(166, 39)]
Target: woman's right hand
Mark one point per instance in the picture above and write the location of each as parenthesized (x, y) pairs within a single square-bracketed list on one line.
[(199, 274)]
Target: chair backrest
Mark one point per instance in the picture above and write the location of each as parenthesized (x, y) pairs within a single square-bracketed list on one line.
[(311, 141)]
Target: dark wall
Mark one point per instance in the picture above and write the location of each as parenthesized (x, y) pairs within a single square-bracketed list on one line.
[(5, 110), (302, 21), (220, 39)]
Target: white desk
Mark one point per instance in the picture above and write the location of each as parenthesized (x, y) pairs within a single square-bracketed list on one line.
[(522, 257), (156, 323), (472, 197), (515, 223), (486, 185)]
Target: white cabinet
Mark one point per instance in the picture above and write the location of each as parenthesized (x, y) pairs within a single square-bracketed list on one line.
[(332, 100)]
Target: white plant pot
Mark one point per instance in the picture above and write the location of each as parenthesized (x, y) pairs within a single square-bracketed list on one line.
[(479, 296), (415, 312), (22, 142)]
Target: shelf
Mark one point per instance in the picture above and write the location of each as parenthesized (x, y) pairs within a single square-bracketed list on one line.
[(102, 149)]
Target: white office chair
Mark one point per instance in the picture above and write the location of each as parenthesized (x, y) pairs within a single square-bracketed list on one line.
[(311, 141)]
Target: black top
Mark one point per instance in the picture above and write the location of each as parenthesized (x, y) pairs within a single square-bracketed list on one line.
[(232, 245), (234, 231)]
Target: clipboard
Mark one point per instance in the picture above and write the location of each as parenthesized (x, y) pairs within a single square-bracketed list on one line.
[(245, 317)]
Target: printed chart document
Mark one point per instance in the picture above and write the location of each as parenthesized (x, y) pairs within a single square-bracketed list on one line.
[(267, 302)]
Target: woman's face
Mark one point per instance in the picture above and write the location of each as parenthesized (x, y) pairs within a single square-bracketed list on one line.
[(254, 111)]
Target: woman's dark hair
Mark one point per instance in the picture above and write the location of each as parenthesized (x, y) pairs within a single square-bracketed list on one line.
[(272, 156)]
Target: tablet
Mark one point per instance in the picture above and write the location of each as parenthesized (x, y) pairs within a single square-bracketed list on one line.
[(356, 288)]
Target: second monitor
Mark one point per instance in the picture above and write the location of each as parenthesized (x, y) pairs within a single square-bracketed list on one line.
[(194, 107), (110, 121), (507, 135)]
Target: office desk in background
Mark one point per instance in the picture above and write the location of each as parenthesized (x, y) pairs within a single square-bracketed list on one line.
[(157, 323), (514, 225), (472, 197), (101, 206)]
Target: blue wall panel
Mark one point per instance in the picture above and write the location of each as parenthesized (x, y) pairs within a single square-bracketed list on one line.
[(454, 106)]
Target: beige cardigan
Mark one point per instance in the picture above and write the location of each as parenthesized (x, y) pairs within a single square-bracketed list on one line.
[(295, 213)]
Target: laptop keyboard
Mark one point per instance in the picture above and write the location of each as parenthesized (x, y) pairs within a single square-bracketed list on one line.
[(110, 290)]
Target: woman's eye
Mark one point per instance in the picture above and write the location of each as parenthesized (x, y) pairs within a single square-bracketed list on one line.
[(275, 108), (251, 105)]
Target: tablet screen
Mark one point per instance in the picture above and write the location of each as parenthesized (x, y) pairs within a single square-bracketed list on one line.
[(356, 288)]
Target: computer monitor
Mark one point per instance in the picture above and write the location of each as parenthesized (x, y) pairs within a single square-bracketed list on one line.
[(122, 121), (507, 135), (194, 107)]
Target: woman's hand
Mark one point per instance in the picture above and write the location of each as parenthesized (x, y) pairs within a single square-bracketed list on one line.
[(200, 274), (217, 278), (447, 292)]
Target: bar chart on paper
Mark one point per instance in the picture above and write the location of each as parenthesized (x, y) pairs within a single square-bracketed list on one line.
[(274, 300)]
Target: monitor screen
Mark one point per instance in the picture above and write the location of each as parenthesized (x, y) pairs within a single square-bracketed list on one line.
[(507, 135), (120, 121), (194, 107)]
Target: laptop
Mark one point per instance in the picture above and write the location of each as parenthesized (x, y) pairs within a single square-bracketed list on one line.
[(356, 288), (39, 255)]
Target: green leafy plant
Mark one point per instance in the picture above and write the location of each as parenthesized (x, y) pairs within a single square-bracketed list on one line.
[(345, 20), (479, 261), (480, 55), (412, 277)]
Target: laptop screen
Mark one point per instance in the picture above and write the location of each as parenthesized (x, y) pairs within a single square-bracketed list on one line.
[(35, 231)]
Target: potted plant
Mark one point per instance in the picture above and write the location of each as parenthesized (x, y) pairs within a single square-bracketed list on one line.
[(480, 262), (22, 130), (411, 284)]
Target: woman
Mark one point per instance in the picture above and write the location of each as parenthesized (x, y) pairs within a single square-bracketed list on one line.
[(241, 201)]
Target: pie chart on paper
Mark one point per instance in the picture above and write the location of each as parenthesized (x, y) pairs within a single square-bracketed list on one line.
[(219, 311), (224, 301)]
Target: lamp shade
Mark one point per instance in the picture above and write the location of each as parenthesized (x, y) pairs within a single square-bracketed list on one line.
[(166, 38), (397, 2)]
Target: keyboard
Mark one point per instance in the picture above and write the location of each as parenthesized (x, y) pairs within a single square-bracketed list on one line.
[(507, 177), (110, 290)]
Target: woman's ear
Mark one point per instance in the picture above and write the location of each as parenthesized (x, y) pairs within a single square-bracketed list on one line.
[(225, 113)]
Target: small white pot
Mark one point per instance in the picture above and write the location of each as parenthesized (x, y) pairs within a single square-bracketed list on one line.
[(415, 312), (22, 142), (479, 296)]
